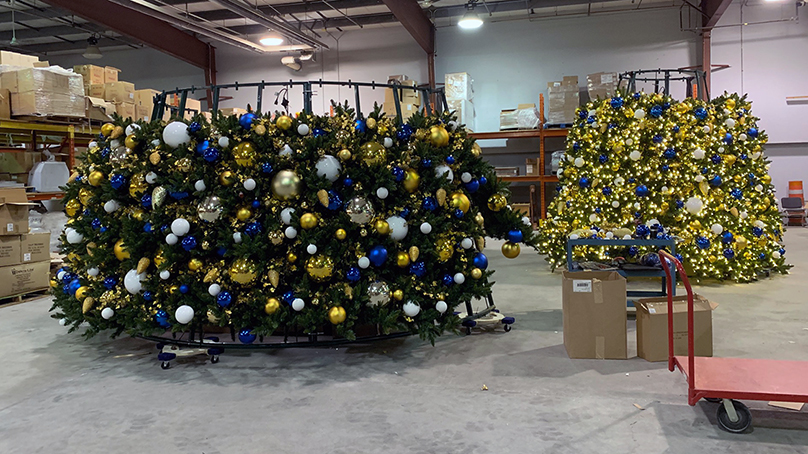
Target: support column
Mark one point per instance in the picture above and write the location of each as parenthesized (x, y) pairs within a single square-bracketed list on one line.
[(706, 59), (430, 61)]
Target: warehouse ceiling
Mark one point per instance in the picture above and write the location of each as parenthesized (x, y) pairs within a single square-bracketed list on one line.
[(34, 26)]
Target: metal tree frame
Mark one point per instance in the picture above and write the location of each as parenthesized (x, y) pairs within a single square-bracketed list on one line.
[(665, 77)]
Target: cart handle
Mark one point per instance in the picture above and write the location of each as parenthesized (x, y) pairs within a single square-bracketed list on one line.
[(666, 259)]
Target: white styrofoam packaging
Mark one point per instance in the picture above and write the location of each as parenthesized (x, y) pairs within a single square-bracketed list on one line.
[(459, 86), (48, 176)]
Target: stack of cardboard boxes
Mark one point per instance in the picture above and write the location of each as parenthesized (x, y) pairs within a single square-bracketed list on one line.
[(459, 93), (601, 85), (409, 100), (102, 86), (43, 92), (563, 98), (24, 256)]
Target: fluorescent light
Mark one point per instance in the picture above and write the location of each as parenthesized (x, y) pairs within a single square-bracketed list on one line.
[(272, 39), (470, 20)]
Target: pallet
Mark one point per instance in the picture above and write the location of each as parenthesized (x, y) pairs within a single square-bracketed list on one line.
[(14, 300), (53, 120)]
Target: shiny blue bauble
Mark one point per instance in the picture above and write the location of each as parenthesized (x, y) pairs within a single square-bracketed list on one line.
[(360, 126), (353, 274), (210, 154), (757, 231), (184, 289), (458, 213), (73, 286), (95, 224), (105, 152), (102, 229), (117, 181), (404, 133), (752, 132), (666, 106), (582, 114), (728, 139), (161, 317), (729, 253), (664, 167), (716, 181), (318, 132), (429, 204), (472, 186), (426, 163), (656, 111), (448, 280), (266, 167), (679, 257), (676, 129), (483, 181), (110, 282), (603, 159), (68, 276), (194, 127), (576, 146), (631, 180), (334, 201), (632, 251), (670, 154), (642, 231), (450, 160), (657, 139), (253, 229), (716, 159), (221, 251), (178, 195), (246, 120), (743, 157), (398, 173), (782, 251), (737, 193), (224, 298), (256, 204), (378, 255), (145, 201), (246, 336), (288, 297), (480, 260), (418, 269), (347, 181), (189, 242), (148, 296), (616, 102), (641, 190), (147, 227), (762, 256), (202, 146), (700, 113), (607, 191), (702, 242), (515, 236), (680, 204), (705, 170), (584, 182), (591, 119), (727, 238)]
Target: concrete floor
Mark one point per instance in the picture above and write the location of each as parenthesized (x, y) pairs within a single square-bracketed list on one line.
[(61, 394)]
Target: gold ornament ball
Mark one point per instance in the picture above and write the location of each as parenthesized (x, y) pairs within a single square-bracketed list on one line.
[(497, 202), (107, 128), (398, 295), (320, 267), (244, 154), (291, 257), (373, 153), (461, 201), (402, 259), (243, 271), (72, 207), (308, 221), (138, 214), (195, 264), (154, 158), (438, 136), (117, 131), (260, 130), (730, 103), (138, 186), (243, 213), (510, 250), (766, 179), (272, 306), (476, 273), (130, 141), (82, 292), (337, 315), (344, 155), (85, 195), (445, 249), (370, 123), (53, 283), (96, 177), (120, 250), (284, 122), (476, 151), (411, 180), (382, 227), (227, 178), (340, 234), (286, 185)]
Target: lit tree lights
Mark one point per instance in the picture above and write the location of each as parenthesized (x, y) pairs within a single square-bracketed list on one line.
[(644, 163)]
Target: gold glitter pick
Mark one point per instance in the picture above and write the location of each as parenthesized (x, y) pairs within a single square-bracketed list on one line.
[(274, 277), (211, 275), (142, 265), (88, 304), (322, 196), (441, 195)]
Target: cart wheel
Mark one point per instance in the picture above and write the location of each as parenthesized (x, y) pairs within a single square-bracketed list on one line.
[(713, 400), (165, 365), (743, 423), (214, 359), (507, 328), (468, 330)]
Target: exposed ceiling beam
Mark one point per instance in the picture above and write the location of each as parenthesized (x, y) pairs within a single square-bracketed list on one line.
[(335, 22), (284, 8), (67, 45), (413, 18), (713, 10), (149, 30), (45, 32), (275, 23), (30, 14)]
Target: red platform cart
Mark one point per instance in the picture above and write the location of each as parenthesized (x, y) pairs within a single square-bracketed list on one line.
[(721, 380)]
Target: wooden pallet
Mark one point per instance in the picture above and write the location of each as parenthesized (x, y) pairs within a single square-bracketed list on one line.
[(14, 300), (57, 120)]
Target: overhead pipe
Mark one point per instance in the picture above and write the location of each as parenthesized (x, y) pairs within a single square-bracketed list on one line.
[(261, 18)]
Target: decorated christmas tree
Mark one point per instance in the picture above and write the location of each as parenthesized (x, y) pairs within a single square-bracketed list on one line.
[(645, 164), (265, 222)]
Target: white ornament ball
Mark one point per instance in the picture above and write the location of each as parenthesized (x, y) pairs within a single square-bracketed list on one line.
[(730, 123), (180, 227), (574, 236), (298, 304), (131, 281), (90, 272), (250, 184), (73, 237), (224, 142), (593, 217), (756, 155), (705, 128), (592, 113), (382, 193), (559, 172), (388, 142), (286, 215), (444, 170), (760, 224), (107, 313), (626, 237), (716, 229), (742, 137), (653, 222), (609, 235), (635, 155), (465, 177), (237, 237), (698, 153), (171, 239), (720, 149), (184, 314), (452, 125), (214, 289), (131, 129), (290, 232), (62, 321), (615, 204), (579, 162), (92, 144), (176, 134), (363, 262), (151, 178), (155, 142), (629, 142), (200, 185), (694, 205), (639, 114), (426, 228), (619, 181), (776, 254), (111, 206), (441, 306), (328, 167), (115, 143), (459, 278), (165, 274), (311, 249), (699, 178), (303, 129), (759, 188), (637, 205), (398, 227), (411, 309), (466, 243), (526, 220), (286, 150)]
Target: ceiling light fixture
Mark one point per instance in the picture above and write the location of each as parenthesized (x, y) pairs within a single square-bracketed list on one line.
[(92, 52), (272, 39), (470, 20)]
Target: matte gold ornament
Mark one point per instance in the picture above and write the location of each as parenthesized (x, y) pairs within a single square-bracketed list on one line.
[(336, 315), (82, 292), (244, 154), (272, 306), (243, 271), (704, 187), (87, 304), (511, 250), (209, 209), (734, 211), (260, 130), (414, 253), (320, 267), (370, 123), (142, 265), (275, 237), (695, 225), (210, 276), (72, 207), (130, 141), (445, 248), (227, 178), (340, 234), (85, 194), (120, 250), (106, 129), (322, 197), (476, 151), (382, 227), (766, 179), (344, 155), (480, 243), (360, 211), (183, 164), (378, 293), (158, 196), (286, 185), (479, 219), (308, 221), (117, 131), (138, 185), (291, 257), (402, 259), (461, 201), (243, 213), (411, 180), (154, 157), (195, 264), (741, 242), (159, 259), (283, 122), (96, 178), (440, 194), (373, 153), (476, 273), (438, 136), (398, 294), (497, 202), (274, 277)]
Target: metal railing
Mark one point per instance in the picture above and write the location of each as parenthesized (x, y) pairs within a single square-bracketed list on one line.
[(662, 79)]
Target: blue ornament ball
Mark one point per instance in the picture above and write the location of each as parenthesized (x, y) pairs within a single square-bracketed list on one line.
[(161, 316), (483, 181), (727, 238), (762, 256), (429, 203), (656, 111), (737, 193), (676, 128), (418, 269), (642, 231), (404, 213), (266, 167), (347, 181), (657, 139), (670, 154), (633, 251), (194, 127), (73, 286), (515, 236), (378, 255), (458, 213), (288, 297), (607, 190), (253, 229), (189, 242), (591, 119), (729, 253), (641, 190), (105, 152), (700, 113), (664, 167), (705, 170), (109, 282), (184, 289), (148, 296), (716, 159), (147, 227), (757, 231), (782, 251), (473, 186), (246, 120), (210, 154), (603, 159), (256, 204), (728, 139), (117, 181), (448, 280), (702, 242), (576, 146), (584, 182), (145, 201), (224, 298), (426, 163), (582, 114), (334, 201), (95, 224), (398, 173), (360, 126), (202, 146), (616, 102), (632, 180), (450, 160), (178, 195), (680, 204), (318, 132), (404, 133), (246, 336), (353, 274), (480, 260), (716, 181), (752, 132)]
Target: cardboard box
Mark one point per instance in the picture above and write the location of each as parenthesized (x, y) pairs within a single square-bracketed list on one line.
[(95, 90), (126, 109), (24, 278), (506, 171), (527, 116), (43, 80), (35, 247), (563, 99), (92, 74), (532, 166), (47, 104), (5, 104), (10, 247), (192, 108), (119, 92), (145, 97), (458, 86), (41, 64), (508, 119), (17, 59), (14, 208), (405, 95), (98, 109), (464, 110), (652, 327), (407, 109), (237, 111), (601, 85), (110, 74), (143, 113), (594, 312), (523, 208)]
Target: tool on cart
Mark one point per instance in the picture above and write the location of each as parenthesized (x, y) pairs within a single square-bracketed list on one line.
[(721, 380)]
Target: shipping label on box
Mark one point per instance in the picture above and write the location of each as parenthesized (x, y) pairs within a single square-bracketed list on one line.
[(110, 74), (9, 250), (35, 247), (24, 278), (594, 312), (92, 74), (143, 113), (119, 92), (14, 206), (652, 327)]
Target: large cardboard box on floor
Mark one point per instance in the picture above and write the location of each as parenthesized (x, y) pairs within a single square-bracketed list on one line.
[(24, 278), (14, 206), (594, 311), (407, 109), (35, 247), (92, 74), (652, 327)]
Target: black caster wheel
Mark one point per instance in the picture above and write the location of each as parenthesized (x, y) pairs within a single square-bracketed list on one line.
[(165, 365), (214, 359), (468, 330), (507, 328), (743, 423), (713, 400)]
